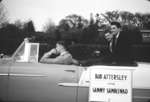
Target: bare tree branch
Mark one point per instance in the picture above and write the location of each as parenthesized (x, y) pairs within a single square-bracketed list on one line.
[(3, 13)]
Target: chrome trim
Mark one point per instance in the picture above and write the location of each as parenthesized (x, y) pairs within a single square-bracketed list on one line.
[(3, 74), (134, 87), (69, 70), (141, 97), (27, 75), (68, 84)]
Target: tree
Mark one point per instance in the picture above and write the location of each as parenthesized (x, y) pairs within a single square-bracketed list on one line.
[(3, 17), (127, 17), (73, 21), (70, 28), (19, 24), (11, 37), (111, 16), (49, 27), (139, 20), (90, 33), (29, 28), (65, 25), (142, 20), (52, 30), (146, 22)]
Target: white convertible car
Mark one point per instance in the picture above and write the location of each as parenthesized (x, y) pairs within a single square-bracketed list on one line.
[(24, 79)]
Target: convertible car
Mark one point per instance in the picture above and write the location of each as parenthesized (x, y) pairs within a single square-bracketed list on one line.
[(24, 79)]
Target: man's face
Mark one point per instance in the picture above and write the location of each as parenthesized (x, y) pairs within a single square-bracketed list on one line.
[(59, 47), (114, 29)]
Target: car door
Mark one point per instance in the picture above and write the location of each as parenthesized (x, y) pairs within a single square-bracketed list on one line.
[(140, 81), (4, 69), (37, 82)]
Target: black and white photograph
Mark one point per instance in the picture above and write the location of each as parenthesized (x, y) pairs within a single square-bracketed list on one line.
[(74, 50)]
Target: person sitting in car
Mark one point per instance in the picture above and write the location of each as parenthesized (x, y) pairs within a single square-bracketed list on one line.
[(62, 56)]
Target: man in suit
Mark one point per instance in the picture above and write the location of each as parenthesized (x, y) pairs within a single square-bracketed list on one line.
[(120, 44)]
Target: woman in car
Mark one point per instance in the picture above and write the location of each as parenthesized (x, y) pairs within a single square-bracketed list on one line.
[(62, 56)]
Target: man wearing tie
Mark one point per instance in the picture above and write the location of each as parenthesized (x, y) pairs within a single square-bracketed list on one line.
[(119, 43)]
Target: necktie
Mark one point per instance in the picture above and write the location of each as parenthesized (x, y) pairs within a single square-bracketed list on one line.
[(112, 44)]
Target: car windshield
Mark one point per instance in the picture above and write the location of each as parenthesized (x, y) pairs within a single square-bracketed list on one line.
[(26, 52)]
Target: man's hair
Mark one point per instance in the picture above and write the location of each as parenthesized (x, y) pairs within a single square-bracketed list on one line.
[(61, 43), (117, 24)]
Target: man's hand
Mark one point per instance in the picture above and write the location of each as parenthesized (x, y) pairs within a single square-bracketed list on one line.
[(53, 51), (108, 36)]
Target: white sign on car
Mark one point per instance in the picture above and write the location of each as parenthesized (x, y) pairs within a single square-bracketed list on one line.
[(110, 85)]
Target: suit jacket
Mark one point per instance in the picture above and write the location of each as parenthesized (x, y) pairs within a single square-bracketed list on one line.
[(123, 46)]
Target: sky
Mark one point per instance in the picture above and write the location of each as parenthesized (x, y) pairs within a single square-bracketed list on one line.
[(41, 11)]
